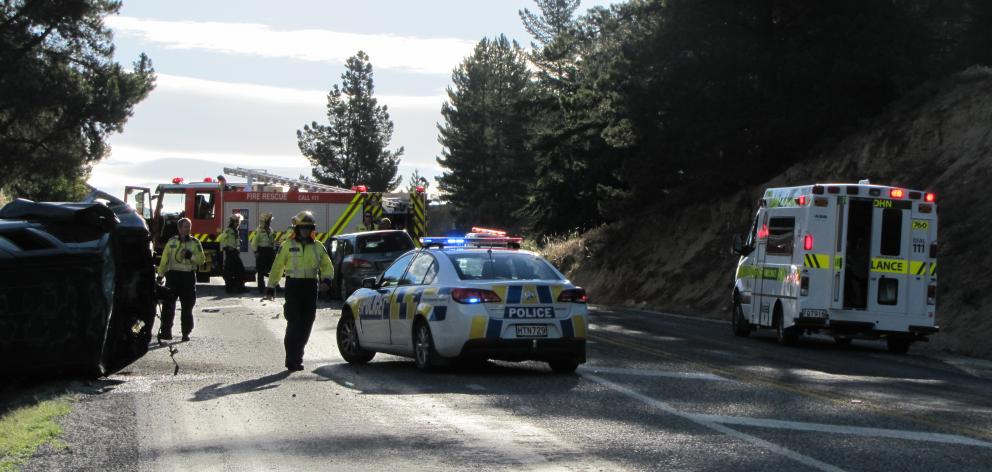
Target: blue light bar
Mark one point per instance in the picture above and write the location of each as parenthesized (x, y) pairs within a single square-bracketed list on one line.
[(448, 242)]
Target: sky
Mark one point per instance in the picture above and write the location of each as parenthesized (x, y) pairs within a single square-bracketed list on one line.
[(236, 79)]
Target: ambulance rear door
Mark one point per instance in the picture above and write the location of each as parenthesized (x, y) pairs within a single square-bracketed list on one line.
[(888, 283)]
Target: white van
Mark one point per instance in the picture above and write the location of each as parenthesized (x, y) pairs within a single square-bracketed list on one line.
[(849, 260)]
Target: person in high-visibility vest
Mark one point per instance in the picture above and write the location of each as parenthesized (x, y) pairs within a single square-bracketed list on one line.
[(230, 245), (180, 259), (263, 245), (367, 224), (305, 263)]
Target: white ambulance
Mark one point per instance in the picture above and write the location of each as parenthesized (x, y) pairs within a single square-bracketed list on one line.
[(848, 260)]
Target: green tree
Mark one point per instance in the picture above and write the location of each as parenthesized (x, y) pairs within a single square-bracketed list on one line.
[(484, 135), (416, 180), (61, 94), (351, 149)]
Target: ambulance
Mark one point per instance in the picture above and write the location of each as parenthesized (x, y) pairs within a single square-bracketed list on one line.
[(847, 260), (210, 203)]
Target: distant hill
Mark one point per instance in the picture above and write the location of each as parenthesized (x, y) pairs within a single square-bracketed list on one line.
[(937, 138)]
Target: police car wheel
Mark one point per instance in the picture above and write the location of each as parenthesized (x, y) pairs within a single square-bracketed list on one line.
[(348, 344), (425, 355), (563, 366), (740, 325)]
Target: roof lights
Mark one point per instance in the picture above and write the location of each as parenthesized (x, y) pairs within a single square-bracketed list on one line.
[(929, 197), (492, 232), (177, 180), (896, 193)]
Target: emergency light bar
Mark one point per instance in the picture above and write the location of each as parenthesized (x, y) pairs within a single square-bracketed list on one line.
[(493, 232), (472, 241)]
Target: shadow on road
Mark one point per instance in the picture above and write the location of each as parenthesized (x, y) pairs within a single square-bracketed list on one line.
[(248, 386)]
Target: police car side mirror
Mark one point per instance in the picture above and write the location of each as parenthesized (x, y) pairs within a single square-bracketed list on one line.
[(369, 282), (738, 245)]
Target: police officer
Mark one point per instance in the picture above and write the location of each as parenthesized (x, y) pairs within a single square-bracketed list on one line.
[(263, 245), (181, 257), (305, 262), (230, 245), (367, 224)]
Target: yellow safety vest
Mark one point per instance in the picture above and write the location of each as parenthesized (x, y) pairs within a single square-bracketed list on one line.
[(263, 238), (301, 261), (229, 239), (174, 257)]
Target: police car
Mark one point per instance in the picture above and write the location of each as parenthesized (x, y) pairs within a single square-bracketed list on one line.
[(474, 297)]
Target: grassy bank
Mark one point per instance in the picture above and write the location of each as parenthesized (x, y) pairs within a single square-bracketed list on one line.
[(24, 429)]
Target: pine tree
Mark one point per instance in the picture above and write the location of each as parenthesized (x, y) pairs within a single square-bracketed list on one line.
[(351, 149), (484, 135), (415, 181), (61, 94)]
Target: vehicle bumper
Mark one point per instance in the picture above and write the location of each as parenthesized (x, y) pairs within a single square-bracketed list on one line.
[(864, 328), (526, 349)]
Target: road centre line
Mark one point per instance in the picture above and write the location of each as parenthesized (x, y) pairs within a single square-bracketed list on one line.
[(842, 429), (651, 373), (748, 377), (755, 441)]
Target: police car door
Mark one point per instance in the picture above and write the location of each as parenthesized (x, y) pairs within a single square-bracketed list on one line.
[(406, 298), (890, 247), (374, 312)]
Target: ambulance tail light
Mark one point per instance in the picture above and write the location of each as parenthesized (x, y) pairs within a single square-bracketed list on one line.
[(896, 193), (804, 286), (802, 200), (473, 296), (573, 295), (808, 242), (929, 198), (932, 294), (362, 264)]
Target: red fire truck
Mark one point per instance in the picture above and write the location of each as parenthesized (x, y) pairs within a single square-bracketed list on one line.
[(209, 204)]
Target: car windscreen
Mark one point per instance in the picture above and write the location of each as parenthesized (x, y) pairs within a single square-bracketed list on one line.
[(383, 242), (499, 265)]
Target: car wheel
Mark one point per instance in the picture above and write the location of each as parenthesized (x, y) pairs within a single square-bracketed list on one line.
[(348, 344), (563, 366), (740, 325), (842, 340), (424, 353), (898, 345), (786, 336)]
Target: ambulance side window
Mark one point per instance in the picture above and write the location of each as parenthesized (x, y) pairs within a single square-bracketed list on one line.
[(891, 232), (781, 233), (752, 237)]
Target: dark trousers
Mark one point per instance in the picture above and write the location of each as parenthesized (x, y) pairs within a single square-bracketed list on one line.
[(234, 271), (182, 286), (263, 264), (300, 310)]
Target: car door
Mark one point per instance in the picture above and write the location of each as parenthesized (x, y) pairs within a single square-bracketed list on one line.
[(406, 298), (748, 270), (374, 312)]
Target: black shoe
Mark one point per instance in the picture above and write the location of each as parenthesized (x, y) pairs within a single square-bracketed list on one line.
[(294, 368), (185, 337), (165, 336)]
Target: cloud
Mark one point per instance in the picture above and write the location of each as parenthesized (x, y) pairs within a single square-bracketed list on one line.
[(409, 53), (281, 95)]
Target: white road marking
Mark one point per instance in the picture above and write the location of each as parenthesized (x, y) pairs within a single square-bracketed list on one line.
[(841, 429), (651, 373), (217, 309), (806, 460)]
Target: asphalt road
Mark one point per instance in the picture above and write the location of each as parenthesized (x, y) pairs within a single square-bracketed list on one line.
[(660, 392)]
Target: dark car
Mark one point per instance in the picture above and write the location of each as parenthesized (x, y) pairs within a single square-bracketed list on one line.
[(366, 254)]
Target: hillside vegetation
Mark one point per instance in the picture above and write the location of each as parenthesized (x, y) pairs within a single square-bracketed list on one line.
[(938, 138)]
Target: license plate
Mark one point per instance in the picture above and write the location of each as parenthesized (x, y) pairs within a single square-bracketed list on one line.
[(818, 315), (528, 312), (532, 331)]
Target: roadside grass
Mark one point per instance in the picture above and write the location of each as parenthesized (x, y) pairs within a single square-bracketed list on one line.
[(24, 429)]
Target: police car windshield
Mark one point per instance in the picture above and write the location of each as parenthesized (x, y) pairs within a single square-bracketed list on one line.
[(501, 265), (384, 242)]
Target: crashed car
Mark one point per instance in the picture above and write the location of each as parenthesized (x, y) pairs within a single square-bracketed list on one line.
[(77, 286)]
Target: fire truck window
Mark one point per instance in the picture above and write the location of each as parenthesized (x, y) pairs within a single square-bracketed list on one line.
[(891, 232), (174, 204), (204, 208), (780, 236)]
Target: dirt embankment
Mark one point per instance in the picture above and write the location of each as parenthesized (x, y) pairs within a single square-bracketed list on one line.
[(939, 138)]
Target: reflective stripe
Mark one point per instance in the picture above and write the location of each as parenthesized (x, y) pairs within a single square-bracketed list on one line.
[(478, 329), (346, 217), (816, 261)]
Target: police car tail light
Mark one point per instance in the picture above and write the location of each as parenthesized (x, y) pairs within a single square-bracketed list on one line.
[(808, 242), (472, 296), (362, 264), (929, 198), (931, 294), (573, 295), (896, 193)]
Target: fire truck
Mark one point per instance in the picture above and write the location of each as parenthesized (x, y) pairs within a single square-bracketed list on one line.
[(210, 203)]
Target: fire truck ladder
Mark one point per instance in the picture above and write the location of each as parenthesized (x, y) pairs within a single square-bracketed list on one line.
[(264, 176)]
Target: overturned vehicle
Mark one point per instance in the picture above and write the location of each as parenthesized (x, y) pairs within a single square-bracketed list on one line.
[(77, 286)]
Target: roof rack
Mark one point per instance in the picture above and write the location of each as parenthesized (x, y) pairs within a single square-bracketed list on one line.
[(264, 176)]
